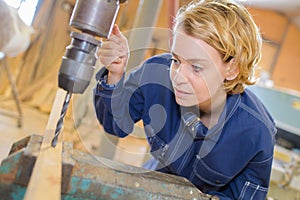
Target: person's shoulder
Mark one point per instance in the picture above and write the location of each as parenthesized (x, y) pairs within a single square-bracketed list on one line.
[(252, 103), (154, 70), (160, 59)]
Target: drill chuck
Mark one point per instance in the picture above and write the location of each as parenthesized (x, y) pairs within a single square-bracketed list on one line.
[(78, 63)]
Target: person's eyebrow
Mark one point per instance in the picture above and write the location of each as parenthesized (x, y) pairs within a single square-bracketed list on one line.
[(192, 60)]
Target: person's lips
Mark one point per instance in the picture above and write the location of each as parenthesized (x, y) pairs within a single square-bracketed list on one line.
[(181, 94)]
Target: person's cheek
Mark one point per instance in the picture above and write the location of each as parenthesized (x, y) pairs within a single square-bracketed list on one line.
[(172, 73)]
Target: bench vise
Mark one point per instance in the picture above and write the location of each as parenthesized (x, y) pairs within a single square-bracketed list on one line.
[(85, 176)]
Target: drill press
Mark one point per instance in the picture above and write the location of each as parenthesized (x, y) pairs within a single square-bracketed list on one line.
[(83, 176), (93, 18)]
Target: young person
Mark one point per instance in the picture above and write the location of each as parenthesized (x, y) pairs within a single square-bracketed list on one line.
[(201, 121)]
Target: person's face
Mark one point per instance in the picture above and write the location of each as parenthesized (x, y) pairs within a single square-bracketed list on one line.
[(197, 71)]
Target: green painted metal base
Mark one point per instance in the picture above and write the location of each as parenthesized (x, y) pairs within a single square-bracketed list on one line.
[(85, 176)]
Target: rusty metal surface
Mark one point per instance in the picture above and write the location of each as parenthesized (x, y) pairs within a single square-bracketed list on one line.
[(85, 176), (16, 169), (112, 180)]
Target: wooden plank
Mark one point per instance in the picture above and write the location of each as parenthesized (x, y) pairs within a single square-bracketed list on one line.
[(45, 181)]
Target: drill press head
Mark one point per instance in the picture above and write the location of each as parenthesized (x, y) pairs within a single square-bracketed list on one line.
[(93, 18)]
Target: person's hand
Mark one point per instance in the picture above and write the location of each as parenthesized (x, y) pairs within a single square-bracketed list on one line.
[(114, 54)]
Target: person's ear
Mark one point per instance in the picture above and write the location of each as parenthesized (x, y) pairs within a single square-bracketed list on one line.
[(232, 70)]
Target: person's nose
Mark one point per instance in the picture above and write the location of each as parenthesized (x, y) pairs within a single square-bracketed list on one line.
[(180, 74)]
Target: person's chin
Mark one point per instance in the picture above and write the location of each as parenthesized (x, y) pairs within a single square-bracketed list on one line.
[(184, 102)]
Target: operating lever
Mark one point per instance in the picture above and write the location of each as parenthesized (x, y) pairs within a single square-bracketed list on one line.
[(93, 18)]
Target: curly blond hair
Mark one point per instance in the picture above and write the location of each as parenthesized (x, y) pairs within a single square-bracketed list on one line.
[(229, 28)]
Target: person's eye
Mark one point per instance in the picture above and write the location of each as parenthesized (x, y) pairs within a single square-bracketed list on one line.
[(197, 68), (175, 61)]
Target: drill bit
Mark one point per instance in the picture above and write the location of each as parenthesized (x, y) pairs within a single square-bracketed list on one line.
[(59, 124)]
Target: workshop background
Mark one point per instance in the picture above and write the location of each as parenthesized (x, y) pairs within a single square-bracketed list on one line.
[(29, 80)]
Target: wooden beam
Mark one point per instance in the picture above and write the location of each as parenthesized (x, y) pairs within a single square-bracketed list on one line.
[(140, 38), (45, 181)]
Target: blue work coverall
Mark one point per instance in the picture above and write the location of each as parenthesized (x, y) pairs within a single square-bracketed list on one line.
[(232, 160)]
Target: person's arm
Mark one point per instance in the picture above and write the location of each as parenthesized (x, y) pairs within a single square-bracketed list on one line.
[(118, 107), (111, 97)]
